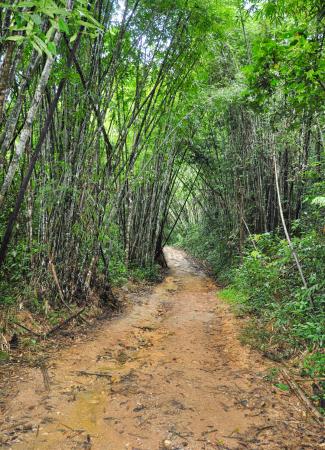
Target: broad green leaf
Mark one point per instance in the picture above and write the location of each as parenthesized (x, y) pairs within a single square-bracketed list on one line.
[(36, 19), (63, 27), (283, 387), (52, 48)]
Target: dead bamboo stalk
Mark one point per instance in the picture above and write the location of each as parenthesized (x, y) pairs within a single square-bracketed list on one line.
[(27, 329), (302, 397), (57, 283), (95, 374), (65, 322), (291, 246)]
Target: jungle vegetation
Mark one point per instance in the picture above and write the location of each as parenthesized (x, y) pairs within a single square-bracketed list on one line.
[(126, 125)]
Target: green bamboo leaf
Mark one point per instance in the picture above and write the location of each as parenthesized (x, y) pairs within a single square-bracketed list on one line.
[(49, 32), (15, 38), (42, 45), (283, 387), (37, 48), (74, 37), (54, 11), (86, 14), (87, 24)]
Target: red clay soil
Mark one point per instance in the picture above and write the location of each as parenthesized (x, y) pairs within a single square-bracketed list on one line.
[(168, 374)]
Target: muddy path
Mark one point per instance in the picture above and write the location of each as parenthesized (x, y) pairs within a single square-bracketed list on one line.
[(170, 373)]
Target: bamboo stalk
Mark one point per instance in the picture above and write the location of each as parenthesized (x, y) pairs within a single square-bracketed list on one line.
[(291, 246), (302, 397)]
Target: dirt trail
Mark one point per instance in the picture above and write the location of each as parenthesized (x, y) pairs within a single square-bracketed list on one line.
[(170, 374)]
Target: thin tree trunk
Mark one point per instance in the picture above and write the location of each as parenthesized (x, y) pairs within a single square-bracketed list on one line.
[(5, 75), (25, 134), (23, 187)]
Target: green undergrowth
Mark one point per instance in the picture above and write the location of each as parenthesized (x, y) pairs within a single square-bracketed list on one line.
[(285, 321), (269, 282), (150, 273), (265, 284), (24, 305), (282, 323), (216, 253), (30, 296), (234, 297)]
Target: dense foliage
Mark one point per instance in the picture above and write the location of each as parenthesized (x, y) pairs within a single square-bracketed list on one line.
[(125, 124), (257, 214), (90, 97)]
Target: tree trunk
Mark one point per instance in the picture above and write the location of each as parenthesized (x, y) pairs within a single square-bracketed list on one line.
[(25, 134)]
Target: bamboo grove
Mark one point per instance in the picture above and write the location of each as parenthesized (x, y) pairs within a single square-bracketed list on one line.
[(90, 93), (257, 211), (129, 124)]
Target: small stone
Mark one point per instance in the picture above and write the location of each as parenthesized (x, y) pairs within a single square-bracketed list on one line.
[(167, 444), (139, 408)]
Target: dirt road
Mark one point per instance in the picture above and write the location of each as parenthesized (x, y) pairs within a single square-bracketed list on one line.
[(170, 373)]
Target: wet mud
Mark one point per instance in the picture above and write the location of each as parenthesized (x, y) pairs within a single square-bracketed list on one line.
[(168, 374)]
